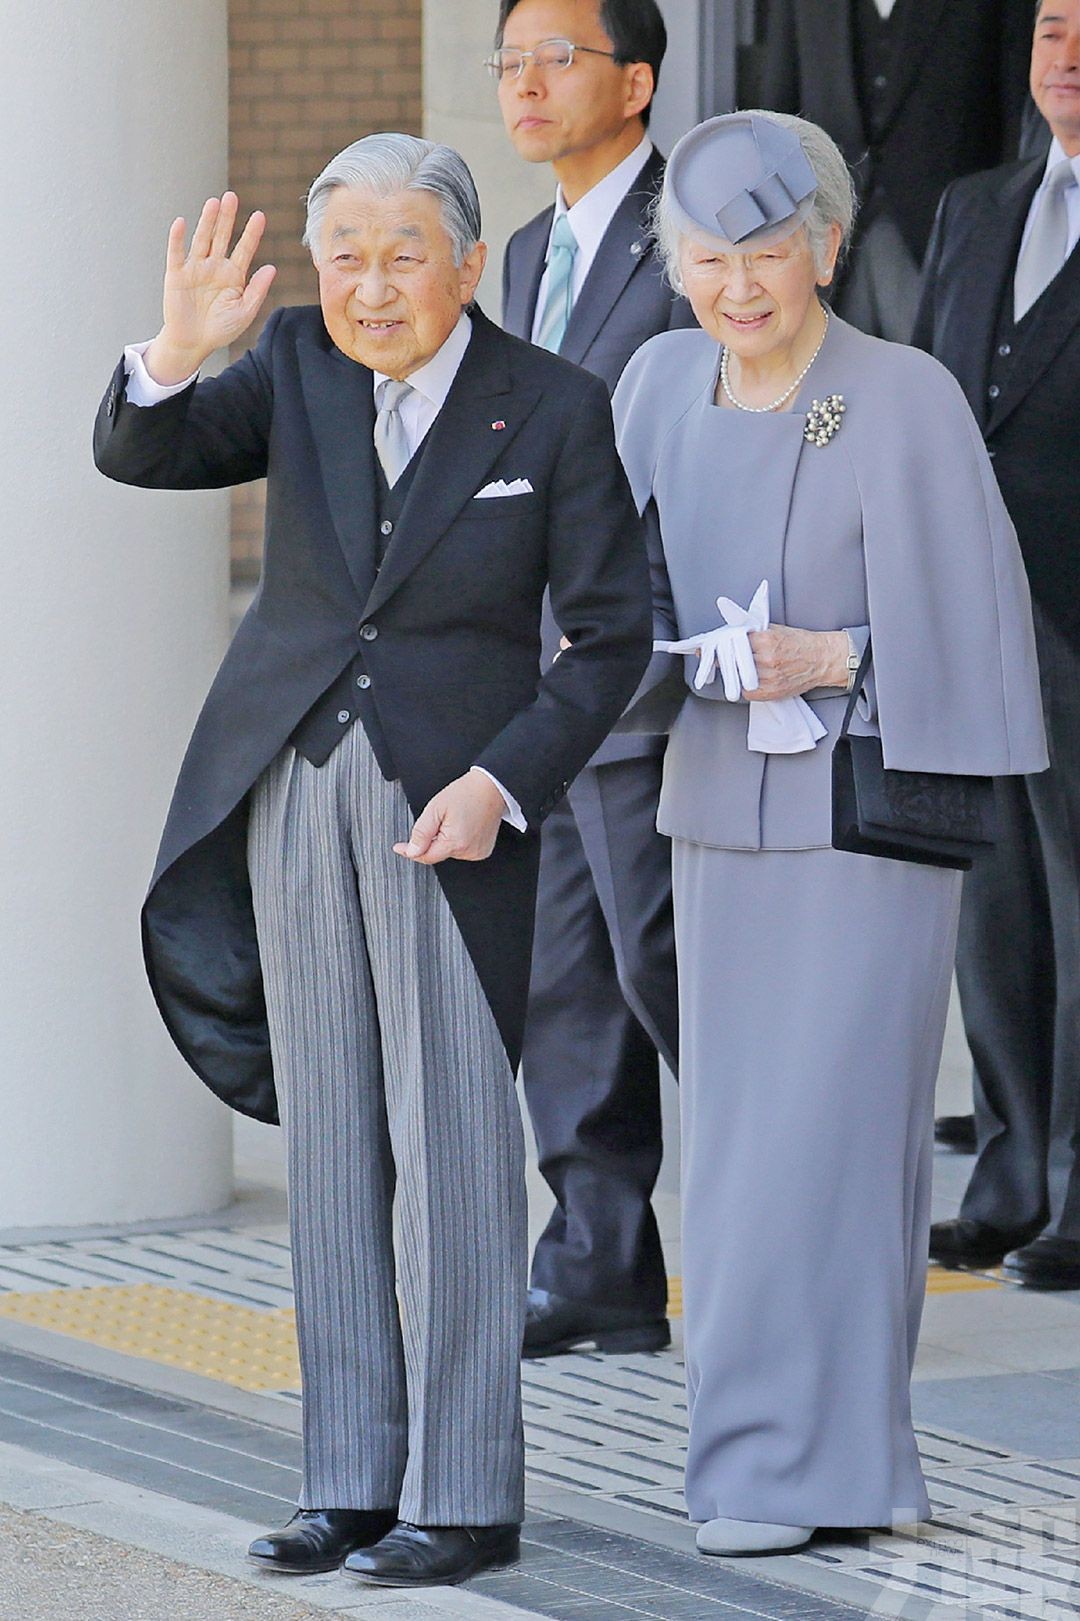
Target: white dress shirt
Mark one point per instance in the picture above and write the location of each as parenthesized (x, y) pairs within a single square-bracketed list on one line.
[(431, 384), (589, 219), (885, 7), (1056, 155)]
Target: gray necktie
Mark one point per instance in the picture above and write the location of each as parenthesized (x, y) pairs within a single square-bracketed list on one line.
[(391, 444), (1047, 246), (560, 286)]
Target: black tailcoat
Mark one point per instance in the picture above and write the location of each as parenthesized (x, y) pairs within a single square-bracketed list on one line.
[(953, 105), (1024, 402), (451, 645), (1017, 963)]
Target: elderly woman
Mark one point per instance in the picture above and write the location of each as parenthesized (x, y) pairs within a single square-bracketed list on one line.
[(778, 452)]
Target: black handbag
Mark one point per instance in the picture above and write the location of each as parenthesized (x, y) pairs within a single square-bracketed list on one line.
[(936, 819)]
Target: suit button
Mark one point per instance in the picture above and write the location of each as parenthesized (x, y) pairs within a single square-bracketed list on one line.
[(386, 527), (1005, 349), (990, 452), (880, 81), (343, 715), (369, 632), (363, 682), (993, 391)]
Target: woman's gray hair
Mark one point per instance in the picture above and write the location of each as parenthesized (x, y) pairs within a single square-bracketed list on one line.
[(834, 204), (386, 164)]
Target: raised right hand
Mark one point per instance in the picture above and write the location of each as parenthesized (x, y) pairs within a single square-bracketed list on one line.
[(208, 299)]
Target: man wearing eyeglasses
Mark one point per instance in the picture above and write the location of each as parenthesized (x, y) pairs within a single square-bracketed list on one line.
[(575, 82)]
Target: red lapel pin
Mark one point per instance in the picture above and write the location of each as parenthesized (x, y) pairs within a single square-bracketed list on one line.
[(498, 426)]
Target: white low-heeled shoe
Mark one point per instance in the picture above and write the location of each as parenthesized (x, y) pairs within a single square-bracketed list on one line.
[(734, 1539)]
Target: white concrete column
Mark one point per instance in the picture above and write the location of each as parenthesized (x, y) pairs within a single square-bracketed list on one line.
[(113, 609), (462, 109)]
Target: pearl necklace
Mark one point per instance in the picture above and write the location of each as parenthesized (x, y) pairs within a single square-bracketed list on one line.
[(762, 410)]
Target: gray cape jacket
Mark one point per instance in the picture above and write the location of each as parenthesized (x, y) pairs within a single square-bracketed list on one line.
[(928, 554)]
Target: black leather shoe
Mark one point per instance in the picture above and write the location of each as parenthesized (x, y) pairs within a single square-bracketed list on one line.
[(969, 1243), (318, 1539), (435, 1555), (554, 1324), (1046, 1263), (956, 1131)]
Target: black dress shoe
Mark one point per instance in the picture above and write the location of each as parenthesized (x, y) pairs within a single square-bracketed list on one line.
[(318, 1539), (554, 1324), (435, 1555), (1046, 1263), (969, 1243), (956, 1131)]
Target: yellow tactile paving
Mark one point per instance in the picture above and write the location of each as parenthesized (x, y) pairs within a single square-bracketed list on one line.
[(239, 1345), (941, 1281)]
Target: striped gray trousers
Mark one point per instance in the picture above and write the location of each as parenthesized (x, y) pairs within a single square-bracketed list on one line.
[(399, 1111)]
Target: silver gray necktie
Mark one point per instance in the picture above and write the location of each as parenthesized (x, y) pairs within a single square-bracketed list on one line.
[(391, 444), (1047, 246)]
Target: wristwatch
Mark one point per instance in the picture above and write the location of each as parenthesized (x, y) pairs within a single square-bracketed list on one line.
[(854, 659)]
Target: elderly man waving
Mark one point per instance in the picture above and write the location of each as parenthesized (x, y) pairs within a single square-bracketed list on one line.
[(340, 918)]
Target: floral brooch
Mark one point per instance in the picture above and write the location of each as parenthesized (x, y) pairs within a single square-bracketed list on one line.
[(824, 418)]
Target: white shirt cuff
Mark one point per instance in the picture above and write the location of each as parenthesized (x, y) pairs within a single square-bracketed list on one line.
[(141, 387), (512, 813)]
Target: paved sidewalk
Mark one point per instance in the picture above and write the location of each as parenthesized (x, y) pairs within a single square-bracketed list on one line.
[(149, 1426)]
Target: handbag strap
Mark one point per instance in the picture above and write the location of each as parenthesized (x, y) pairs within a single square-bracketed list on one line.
[(853, 695)]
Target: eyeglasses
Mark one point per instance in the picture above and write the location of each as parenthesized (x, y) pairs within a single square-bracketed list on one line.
[(550, 56)]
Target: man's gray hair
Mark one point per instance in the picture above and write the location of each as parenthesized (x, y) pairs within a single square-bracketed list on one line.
[(834, 204), (386, 164)]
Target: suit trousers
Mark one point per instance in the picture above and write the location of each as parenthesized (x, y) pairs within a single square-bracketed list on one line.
[(603, 1003), (1018, 968), (405, 1156), (879, 292)]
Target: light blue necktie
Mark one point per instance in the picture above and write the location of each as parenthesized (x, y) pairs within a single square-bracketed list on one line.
[(560, 286)]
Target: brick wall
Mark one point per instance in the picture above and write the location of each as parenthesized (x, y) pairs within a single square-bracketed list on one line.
[(306, 78)]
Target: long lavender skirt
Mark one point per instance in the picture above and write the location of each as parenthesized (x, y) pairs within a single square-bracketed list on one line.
[(814, 987)]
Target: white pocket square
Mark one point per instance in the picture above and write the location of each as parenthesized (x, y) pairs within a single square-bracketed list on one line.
[(519, 486)]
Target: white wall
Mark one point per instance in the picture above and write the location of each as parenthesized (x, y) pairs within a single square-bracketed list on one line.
[(112, 609)]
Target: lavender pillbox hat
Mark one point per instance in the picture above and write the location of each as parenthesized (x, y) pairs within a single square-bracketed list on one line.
[(739, 181)]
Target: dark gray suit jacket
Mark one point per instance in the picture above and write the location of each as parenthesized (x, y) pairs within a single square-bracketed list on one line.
[(624, 302)]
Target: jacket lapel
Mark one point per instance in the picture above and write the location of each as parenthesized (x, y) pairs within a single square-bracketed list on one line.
[(463, 445), (624, 249), (1055, 321), (989, 259), (825, 32), (530, 246), (916, 24), (341, 410)]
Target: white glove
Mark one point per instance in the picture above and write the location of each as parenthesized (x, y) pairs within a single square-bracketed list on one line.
[(726, 649), (777, 726)]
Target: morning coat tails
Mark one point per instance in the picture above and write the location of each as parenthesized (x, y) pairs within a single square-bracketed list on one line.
[(446, 631)]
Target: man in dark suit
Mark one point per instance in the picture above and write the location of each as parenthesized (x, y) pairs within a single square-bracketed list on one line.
[(582, 279), (428, 478), (1002, 309), (915, 93)]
